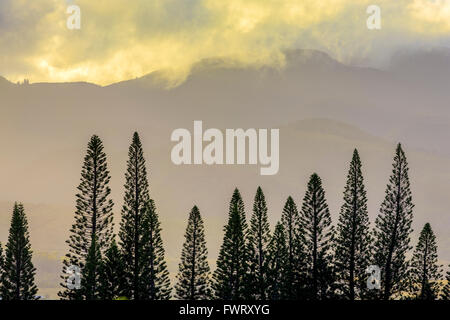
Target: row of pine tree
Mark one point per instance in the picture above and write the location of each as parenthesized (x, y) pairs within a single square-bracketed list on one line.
[(304, 258)]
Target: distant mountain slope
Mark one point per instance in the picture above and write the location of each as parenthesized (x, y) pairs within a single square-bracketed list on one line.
[(5, 84), (423, 65)]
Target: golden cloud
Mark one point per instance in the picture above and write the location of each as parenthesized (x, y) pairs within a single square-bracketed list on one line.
[(120, 39)]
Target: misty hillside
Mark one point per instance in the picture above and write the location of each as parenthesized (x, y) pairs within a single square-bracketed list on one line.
[(323, 108), (403, 102)]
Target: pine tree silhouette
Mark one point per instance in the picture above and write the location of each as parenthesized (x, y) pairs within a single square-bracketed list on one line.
[(112, 280), (445, 295), (315, 222), (352, 241), (91, 275), (277, 266), (425, 274), (2, 262), (193, 274), (393, 229), (232, 264), (18, 270), (258, 239), (295, 264), (155, 276), (93, 220), (132, 229)]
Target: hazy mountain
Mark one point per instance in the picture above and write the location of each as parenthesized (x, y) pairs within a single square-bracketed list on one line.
[(323, 108), (5, 84)]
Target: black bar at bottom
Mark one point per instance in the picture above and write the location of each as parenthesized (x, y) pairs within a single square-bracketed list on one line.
[(179, 310)]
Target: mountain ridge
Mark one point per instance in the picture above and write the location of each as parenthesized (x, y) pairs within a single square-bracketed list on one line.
[(406, 63), (293, 59)]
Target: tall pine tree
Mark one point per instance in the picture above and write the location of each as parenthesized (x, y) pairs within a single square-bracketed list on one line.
[(112, 280), (393, 229), (258, 239), (295, 263), (425, 274), (229, 278), (155, 276), (193, 275), (18, 270), (93, 220), (277, 266), (315, 222), (132, 228), (352, 242)]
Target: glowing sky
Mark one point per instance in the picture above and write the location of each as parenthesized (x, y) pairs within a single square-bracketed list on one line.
[(123, 39)]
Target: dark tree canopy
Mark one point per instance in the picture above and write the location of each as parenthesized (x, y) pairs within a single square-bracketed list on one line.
[(352, 241), (258, 239), (229, 278), (193, 274), (315, 223), (425, 274), (112, 280), (155, 276), (91, 276), (277, 267), (296, 260), (445, 295), (17, 281), (2, 262), (93, 220), (132, 227)]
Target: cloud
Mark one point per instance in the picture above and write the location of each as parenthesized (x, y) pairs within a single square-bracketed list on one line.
[(120, 39)]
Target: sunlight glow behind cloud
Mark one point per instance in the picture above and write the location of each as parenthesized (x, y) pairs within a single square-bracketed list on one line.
[(120, 39)]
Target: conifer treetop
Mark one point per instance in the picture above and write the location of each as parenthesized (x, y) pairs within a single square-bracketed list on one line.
[(393, 228), (18, 271), (229, 278), (193, 275), (425, 273)]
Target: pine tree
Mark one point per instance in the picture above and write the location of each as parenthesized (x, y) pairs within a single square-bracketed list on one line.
[(393, 229), (91, 273), (445, 295), (133, 211), (232, 264), (258, 239), (352, 242), (155, 276), (112, 280), (425, 274), (193, 275), (315, 222), (2, 260), (277, 266), (18, 270), (295, 264), (93, 219)]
